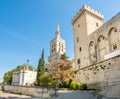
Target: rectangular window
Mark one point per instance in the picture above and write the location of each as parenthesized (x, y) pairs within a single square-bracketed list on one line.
[(115, 47), (78, 61), (80, 49), (77, 39), (78, 25)]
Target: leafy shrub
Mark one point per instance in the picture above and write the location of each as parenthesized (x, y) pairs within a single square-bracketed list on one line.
[(35, 83), (67, 82), (83, 87), (77, 86), (48, 80), (73, 85)]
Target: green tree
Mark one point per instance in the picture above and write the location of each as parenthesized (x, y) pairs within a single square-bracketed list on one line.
[(63, 57), (41, 68), (8, 77)]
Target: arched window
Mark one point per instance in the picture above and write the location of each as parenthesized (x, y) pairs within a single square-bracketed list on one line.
[(114, 40), (101, 47)]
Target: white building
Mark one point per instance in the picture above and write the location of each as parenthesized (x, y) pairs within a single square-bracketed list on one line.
[(57, 47), (24, 77)]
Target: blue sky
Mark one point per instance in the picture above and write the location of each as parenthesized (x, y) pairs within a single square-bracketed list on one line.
[(28, 26)]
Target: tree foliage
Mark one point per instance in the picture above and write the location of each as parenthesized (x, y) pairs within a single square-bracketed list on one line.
[(62, 69), (63, 57), (48, 79), (77, 86), (8, 75), (41, 68)]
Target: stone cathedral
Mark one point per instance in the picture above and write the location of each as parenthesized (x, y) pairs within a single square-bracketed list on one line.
[(57, 47)]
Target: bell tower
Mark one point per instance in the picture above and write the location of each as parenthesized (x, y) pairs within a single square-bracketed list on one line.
[(57, 47)]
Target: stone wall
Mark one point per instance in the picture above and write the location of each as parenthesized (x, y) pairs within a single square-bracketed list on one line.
[(104, 75), (29, 90), (112, 90)]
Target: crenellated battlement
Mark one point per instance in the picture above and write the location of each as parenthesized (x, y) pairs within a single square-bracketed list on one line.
[(89, 10), (93, 11)]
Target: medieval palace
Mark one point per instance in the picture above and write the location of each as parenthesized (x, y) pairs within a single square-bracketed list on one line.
[(97, 51), (94, 41)]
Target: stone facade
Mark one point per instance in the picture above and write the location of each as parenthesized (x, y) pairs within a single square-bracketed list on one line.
[(57, 47), (93, 40), (102, 75), (24, 77), (97, 51)]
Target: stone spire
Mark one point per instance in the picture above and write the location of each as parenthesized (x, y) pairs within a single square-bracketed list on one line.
[(58, 31), (26, 65), (58, 28)]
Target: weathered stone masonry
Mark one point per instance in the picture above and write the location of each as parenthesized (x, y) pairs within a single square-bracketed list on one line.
[(101, 74), (96, 48), (30, 90)]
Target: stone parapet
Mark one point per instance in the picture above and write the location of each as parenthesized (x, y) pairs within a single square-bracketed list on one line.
[(30, 90), (90, 11)]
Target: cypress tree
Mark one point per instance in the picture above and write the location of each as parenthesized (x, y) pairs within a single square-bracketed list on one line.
[(41, 68)]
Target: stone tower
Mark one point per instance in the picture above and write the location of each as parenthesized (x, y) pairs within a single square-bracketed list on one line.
[(84, 23), (57, 47)]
